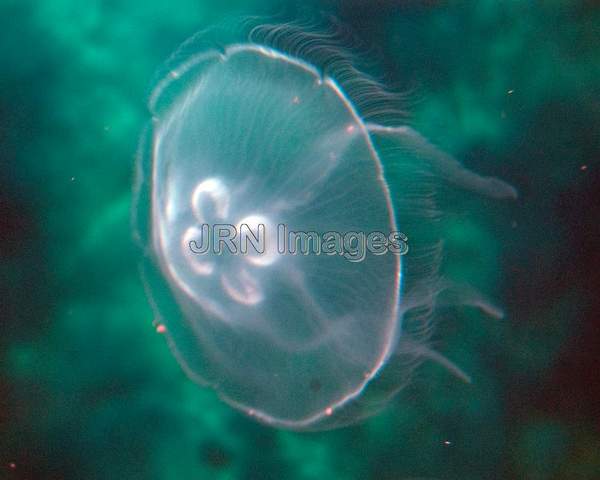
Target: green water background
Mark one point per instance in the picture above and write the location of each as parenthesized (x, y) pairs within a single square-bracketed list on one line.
[(89, 390)]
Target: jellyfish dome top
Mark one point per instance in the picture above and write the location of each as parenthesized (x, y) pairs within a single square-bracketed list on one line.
[(282, 135)]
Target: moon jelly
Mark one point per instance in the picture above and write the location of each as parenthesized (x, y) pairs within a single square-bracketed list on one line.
[(279, 129)]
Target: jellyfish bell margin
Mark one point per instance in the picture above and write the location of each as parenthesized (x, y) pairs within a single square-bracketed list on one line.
[(278, 122)]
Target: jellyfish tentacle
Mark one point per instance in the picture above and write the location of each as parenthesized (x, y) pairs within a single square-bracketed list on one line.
[(410, 347), (445, 164), (421, 300), (462, 294), (446, 293)]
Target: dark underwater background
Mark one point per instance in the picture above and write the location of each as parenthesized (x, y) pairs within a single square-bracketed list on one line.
[(89, 390)]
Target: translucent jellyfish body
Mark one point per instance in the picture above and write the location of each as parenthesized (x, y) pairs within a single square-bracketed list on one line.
[(282, 131)]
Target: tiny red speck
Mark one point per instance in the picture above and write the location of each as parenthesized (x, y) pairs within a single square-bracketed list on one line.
[(161, 328)]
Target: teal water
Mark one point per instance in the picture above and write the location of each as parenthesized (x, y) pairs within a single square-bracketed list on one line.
[(88, 389)]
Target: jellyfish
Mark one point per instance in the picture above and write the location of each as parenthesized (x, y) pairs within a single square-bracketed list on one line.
[(270, 125)]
